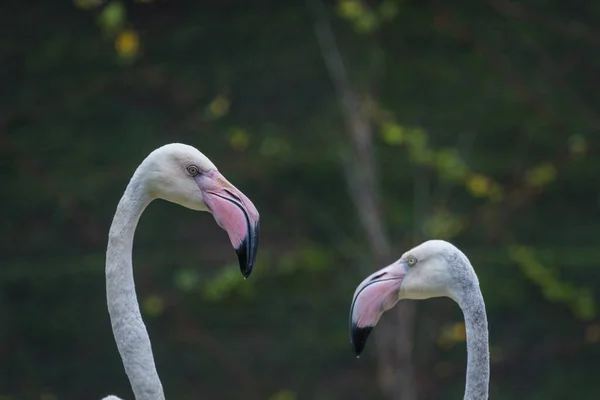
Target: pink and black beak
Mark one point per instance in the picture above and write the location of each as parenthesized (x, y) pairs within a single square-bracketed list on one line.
[(235, 213), (375, 295)]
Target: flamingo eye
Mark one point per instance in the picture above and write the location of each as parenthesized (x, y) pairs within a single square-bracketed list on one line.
[(411, 261), (193, 170)]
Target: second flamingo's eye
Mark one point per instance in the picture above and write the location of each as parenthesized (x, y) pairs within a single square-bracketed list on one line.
[(411, 261)]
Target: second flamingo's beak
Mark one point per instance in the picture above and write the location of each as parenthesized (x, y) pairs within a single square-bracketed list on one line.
[(235, 213), (375, 295)]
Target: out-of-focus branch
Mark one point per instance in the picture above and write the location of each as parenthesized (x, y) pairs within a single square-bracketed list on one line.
[(360, 172), (394, 336)]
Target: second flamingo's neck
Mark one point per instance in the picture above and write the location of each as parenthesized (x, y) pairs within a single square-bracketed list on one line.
[(128, 327), (478, 355)]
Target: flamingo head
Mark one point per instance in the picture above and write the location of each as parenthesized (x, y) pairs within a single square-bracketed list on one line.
[(183, 175), (423, 272)]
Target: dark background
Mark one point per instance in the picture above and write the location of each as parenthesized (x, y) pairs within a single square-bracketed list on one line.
[(471, 121)]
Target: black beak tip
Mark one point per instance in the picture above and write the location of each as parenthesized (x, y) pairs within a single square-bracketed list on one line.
[(246, 265), (247, 270), (359, 336), (246, 252), (246, 274)]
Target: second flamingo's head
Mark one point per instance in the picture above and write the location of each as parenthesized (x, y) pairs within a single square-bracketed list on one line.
[(183, 175), (423, 272)]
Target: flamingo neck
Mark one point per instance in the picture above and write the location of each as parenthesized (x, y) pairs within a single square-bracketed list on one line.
[(478, 355), (128, 327)]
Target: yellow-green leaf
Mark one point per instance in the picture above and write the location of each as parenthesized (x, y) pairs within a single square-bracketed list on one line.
[(153, 305), (112, 17), (218, 107), (239, 139), (443, 224), (479, 185), (392, 134), (541, 175), (366, 22), (127, 43), (578, 145), (450, 165), (350, 9)]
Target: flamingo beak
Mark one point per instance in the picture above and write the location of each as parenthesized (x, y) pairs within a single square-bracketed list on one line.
[(235, 213), (375, 295)]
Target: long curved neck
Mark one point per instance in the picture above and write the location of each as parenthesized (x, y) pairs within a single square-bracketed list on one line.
[(127, 325), (478, 355)]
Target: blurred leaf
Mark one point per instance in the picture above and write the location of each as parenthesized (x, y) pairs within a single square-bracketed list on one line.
[(417, 139), (450, 165), (443, 224), (541, 175), (112, 17), (153, 305), (366, 22), (392, 134), (273, 146), (218, 107), (229, 280), (585, 305), (578, 145), (350, 9), (127, 43), (451, 334), (187, 279), (479, 185), (239, 139)]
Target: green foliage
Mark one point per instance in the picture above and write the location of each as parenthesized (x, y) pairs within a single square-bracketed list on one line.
[(225, 283), (485, 134), (113, 16), (580, 300), (443, 224), (364, 18), (541, 175)]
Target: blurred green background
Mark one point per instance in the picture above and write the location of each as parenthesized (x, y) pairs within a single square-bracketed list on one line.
[(358, 129)]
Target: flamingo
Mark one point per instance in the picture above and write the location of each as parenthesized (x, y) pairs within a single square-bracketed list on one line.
[(183, 175), (435, 268)]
